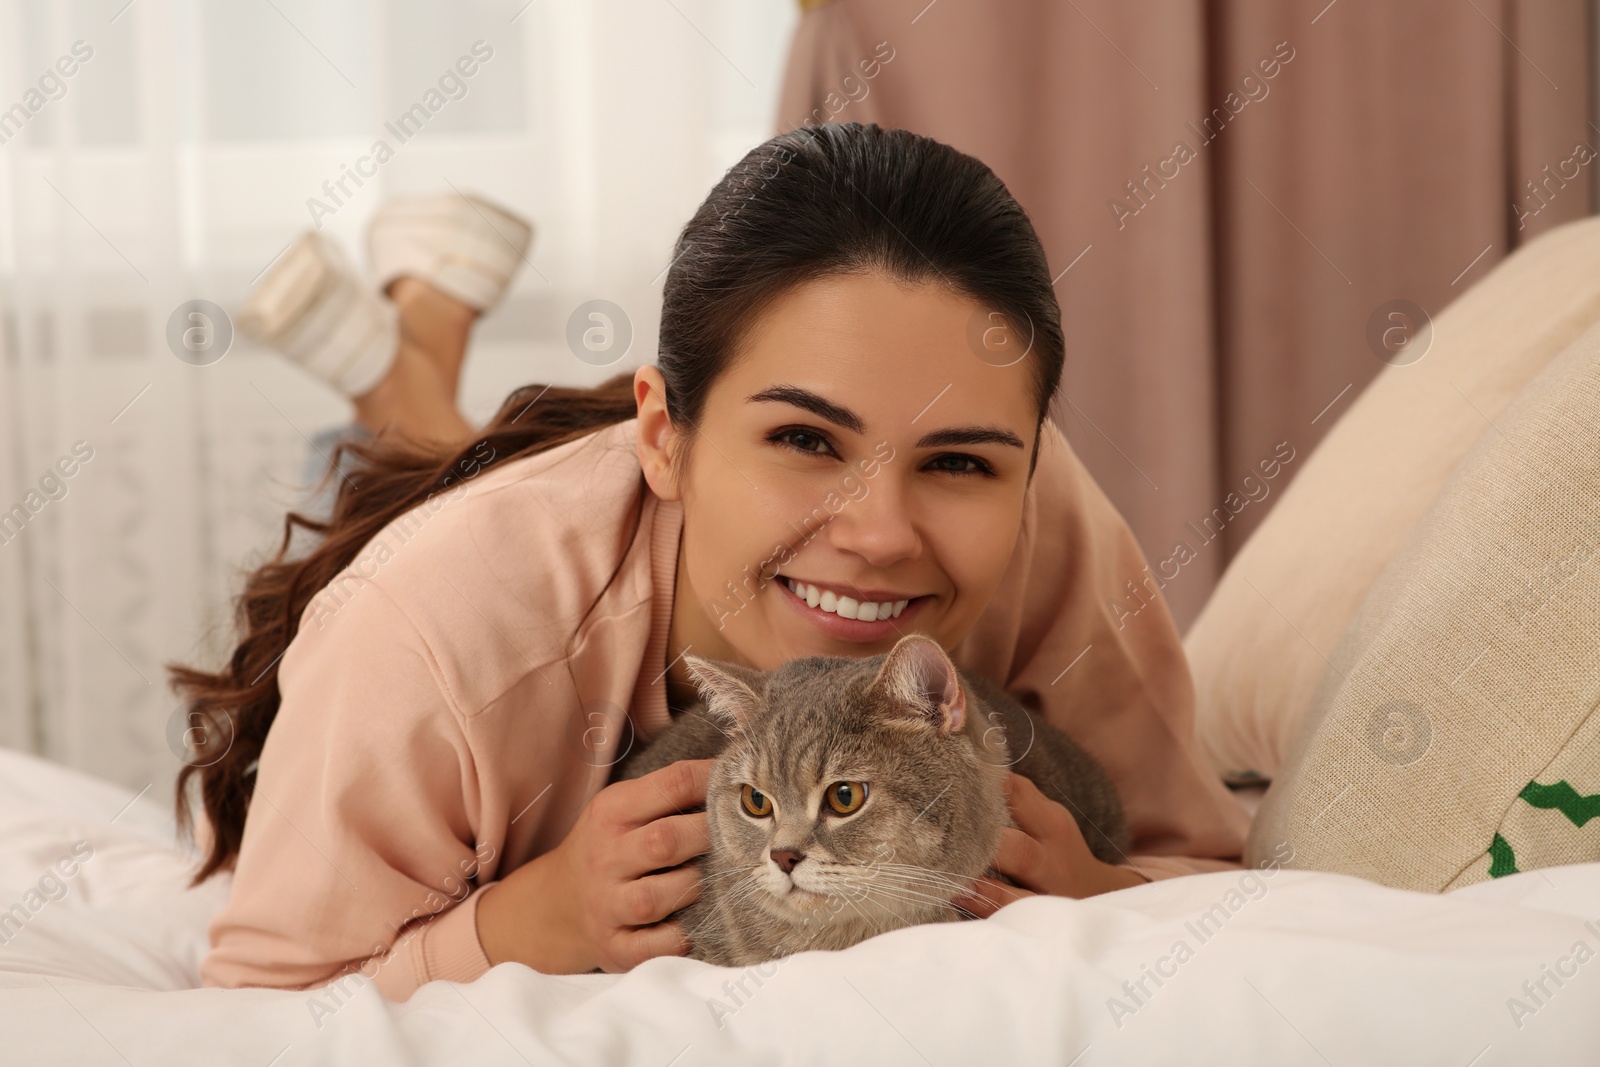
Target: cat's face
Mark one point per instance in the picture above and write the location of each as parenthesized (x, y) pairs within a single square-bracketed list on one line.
[(854, 792)]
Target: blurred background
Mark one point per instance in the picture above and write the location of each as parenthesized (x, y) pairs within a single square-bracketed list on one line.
[(1248, 207)]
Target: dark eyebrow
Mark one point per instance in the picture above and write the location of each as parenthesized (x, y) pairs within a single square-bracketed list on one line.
[(842, 416), (969, 435), (818, 406)]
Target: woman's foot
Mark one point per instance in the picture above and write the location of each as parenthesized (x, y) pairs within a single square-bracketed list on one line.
[(465, 246), (314, 307), (417, 397), (442, 260), (398, 354), (399, 361)]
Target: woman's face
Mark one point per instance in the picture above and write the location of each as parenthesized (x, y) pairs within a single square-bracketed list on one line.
[(858, 474)]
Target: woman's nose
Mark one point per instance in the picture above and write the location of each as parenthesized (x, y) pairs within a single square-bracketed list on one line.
[(877, 527)]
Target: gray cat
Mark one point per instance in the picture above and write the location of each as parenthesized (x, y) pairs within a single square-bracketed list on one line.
[(855, 796)]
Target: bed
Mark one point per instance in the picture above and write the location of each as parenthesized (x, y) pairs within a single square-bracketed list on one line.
[(1281, 967), (100, 938)]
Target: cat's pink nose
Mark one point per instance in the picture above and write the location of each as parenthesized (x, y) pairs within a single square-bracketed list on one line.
[(786, 858)]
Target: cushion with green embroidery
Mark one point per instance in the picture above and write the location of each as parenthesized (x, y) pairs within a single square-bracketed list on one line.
[(1454, 735)]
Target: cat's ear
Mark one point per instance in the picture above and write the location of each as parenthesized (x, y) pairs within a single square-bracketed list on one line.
[(731, 692), (919, 677)]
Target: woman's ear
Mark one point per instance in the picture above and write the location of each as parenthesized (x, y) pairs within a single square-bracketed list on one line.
[(657, 437)]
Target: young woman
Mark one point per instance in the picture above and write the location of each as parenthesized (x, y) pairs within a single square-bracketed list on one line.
[(845, 439)]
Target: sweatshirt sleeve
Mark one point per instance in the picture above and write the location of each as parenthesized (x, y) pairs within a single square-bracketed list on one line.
[(359, 853), (1117, 682)]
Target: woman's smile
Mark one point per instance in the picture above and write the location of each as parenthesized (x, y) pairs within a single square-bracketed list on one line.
[(851, 618), (875, 466)]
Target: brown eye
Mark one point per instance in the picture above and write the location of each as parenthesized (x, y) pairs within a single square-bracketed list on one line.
[(756, 802), (846, 797)]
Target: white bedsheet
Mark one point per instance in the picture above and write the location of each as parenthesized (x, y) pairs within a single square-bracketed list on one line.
[(1301, 968)]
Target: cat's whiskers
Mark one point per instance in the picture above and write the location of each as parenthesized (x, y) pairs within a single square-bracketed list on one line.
[(745, 885), (903, 907), (741, 894), (941, 904), (943, 883), (877, 927), (829, 874), (904, 884), (901, 895), (955, 883), (921, 868), (911, 872), (853, 895), (908, 888), (806, 928), (921, 886), (934, 885)]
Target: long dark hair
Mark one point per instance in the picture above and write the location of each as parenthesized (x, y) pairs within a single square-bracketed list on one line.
[(815, 201)]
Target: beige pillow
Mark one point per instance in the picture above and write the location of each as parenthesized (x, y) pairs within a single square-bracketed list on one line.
[(1455, 735), (1258, 648)]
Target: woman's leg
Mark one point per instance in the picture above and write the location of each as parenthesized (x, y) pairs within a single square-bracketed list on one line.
[(417, 398)]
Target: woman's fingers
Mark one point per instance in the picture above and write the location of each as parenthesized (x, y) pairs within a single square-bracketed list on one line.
[(1032, 810), (987, 896), (1020, 857), (1046, 850), (1047, 819), (667, 842), (654, 897), (1029, 852), (672, 790), (633, 947)]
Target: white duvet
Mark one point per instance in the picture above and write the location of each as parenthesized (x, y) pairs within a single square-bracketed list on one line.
[(101, 944)]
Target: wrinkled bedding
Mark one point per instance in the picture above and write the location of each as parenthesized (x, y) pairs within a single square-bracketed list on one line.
[(99, 965)]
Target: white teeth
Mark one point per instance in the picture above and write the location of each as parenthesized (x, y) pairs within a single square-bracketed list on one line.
[(843, 606)]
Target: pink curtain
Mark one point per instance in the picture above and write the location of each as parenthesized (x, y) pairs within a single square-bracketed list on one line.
[(1232, 195)]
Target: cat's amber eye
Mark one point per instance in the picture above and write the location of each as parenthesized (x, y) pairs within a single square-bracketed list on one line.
[(847, 797), (756, 802)]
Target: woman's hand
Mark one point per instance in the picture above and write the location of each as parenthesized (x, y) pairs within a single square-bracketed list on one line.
[(590, 902), (1044, 853)]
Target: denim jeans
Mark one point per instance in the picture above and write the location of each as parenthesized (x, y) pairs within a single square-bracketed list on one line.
[(320, 494)]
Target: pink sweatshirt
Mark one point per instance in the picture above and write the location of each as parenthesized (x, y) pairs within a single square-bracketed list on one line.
[(450, 705)]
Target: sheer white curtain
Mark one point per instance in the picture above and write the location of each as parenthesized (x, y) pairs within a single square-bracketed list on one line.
[(158, 151)]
